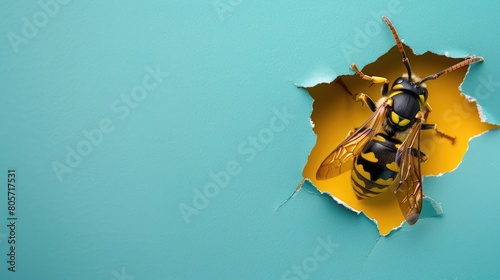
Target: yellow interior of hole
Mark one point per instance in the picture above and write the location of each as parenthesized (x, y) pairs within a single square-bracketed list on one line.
[(335, 113)]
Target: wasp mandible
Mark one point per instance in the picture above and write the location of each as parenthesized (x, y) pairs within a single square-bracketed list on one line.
[(384, 152)]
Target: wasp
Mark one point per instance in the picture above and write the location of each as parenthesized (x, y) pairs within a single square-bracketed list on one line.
[(384, 152)]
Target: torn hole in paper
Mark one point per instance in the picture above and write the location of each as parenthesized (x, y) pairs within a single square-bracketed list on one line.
[(335, 113)]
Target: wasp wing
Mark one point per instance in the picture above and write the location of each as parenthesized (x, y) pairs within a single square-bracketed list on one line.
[(409, 191), (341, 158)]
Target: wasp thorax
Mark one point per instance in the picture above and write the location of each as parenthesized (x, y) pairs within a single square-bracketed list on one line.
[(408, 98), (405, 106)]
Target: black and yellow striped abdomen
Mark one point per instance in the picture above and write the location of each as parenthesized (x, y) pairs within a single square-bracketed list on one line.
[(375, 169)]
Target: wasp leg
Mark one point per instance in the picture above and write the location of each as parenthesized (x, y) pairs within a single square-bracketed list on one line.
[(416, 153), (428, 126), (341, 83), (359, 97), (373, 79), (352, 131), (366, 100)]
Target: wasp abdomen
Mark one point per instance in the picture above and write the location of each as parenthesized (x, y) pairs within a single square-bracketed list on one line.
[(375, 169)]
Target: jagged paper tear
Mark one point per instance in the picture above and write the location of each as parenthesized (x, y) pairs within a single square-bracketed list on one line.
[(335, 113)]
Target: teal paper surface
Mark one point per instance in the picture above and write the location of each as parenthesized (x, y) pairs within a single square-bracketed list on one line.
[(155, 140)]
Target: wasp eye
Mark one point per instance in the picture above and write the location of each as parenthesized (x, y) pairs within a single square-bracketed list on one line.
[(424, 94)]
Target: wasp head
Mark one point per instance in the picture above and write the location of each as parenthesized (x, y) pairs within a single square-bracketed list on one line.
[(412, 86)]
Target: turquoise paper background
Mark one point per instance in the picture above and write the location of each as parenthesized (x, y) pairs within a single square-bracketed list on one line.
[(232, 68)]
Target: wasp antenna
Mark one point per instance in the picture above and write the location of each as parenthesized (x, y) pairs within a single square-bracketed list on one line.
[(466, 62), (406, 61)]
